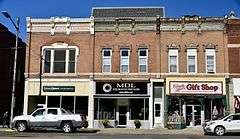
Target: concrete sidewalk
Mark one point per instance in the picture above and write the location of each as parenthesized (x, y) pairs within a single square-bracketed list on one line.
[(190, 131), (186, 131)]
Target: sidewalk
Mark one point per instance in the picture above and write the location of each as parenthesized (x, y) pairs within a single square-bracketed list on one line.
[(186, 131), (190, 131)]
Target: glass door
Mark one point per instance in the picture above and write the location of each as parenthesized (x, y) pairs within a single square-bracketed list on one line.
[(193, 115), (122, 115)]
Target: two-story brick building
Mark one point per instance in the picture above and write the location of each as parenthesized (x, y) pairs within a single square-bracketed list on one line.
[(233, 32), (58, 64), (123, 64)]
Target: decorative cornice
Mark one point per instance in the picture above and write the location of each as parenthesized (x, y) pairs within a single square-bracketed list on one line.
[(60, 25)]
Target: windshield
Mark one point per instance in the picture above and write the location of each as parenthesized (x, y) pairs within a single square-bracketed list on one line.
[(65, 111)]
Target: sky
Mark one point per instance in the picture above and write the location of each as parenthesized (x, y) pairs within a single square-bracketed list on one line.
[(82, 8)]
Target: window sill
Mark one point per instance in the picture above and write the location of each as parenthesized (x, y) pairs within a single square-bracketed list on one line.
[(58, 74)]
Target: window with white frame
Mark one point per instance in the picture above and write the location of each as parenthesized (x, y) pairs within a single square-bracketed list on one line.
[(124, 63), (173, 60), (210, 61), (192, 60), (143, 59), (106, 60), (59, 60)]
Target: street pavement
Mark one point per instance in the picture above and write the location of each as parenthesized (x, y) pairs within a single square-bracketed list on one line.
[(114, 133)]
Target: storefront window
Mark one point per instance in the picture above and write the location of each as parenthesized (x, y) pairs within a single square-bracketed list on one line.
[(81, 105), (104, 109), (33, 102), (53, 101), (139, 110), (68, 103)]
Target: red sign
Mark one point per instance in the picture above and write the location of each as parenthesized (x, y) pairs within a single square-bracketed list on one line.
[(207, 88)]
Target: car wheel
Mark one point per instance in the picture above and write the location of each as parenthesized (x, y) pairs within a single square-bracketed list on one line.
[(67, 127), (219, 130), (21, 126)]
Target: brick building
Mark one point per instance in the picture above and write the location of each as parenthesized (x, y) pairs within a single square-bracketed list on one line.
[(120, 65), (7, 45), (233, 32), (58, 64)]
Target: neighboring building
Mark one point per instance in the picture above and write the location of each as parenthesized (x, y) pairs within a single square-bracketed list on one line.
[(7, 45), (58, 64), (233, 32)]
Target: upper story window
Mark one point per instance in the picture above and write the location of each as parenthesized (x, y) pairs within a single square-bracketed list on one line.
[(173, 60), (106, 60), (142, 60), (124, 62), (59, 59), (210, 61), (192, 60)]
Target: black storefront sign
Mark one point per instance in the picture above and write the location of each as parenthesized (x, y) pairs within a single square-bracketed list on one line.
[(58, 88), (121, 88)]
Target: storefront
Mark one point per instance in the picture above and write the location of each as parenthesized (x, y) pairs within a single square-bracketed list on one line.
[(121, 103), (194, 100), (70, 94), (236, 94)]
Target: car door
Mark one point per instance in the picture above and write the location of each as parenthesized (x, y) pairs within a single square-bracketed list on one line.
[(37, 118), (232, 123), (51, 117)]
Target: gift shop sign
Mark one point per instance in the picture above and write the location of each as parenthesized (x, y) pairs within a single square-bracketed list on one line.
[(207, 88)]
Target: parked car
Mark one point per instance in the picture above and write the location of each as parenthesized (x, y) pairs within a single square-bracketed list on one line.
[(227, 124), (49, 118)]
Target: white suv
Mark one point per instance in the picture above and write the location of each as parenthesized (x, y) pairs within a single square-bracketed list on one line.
[(49, 117), (230, 123)]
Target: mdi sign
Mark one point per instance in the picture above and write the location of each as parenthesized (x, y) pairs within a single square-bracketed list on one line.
[(121, 88)]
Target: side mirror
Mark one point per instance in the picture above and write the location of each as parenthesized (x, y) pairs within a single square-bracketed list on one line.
[(229, 120)]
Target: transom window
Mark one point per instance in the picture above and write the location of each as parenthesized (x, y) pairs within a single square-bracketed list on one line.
[(106, 60), (192, 60), (210, 61), (173, 60), (124, 63), (59, 60), (142, 60)]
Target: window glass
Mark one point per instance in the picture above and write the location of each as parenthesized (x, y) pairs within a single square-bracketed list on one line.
[(59, 61), (106, 109), (173, 63), (157, 92), (157, 110), (71, 63), (191, 63), (124, 60), (137, 109), (236, 117), (143, 52), (106, 53), (47, 58), (39, 112), (106, 67), (124, 52), (52, 111)]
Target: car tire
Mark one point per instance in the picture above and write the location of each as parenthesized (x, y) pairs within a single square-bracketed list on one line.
[(219, 130), (67, 127), (21, 126)]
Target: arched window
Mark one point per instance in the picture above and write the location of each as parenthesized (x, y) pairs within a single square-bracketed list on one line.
[(59, 58)]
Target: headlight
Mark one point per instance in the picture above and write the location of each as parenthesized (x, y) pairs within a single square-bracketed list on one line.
[(211, 123)]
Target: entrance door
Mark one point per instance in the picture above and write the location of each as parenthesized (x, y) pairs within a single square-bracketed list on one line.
[(193, 115), (122, 115)]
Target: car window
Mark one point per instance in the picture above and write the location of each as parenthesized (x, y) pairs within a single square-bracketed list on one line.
[(236, 117), (39, 112), (52, 111)]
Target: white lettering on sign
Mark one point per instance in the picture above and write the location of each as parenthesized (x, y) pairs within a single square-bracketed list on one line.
[(196, 87)]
